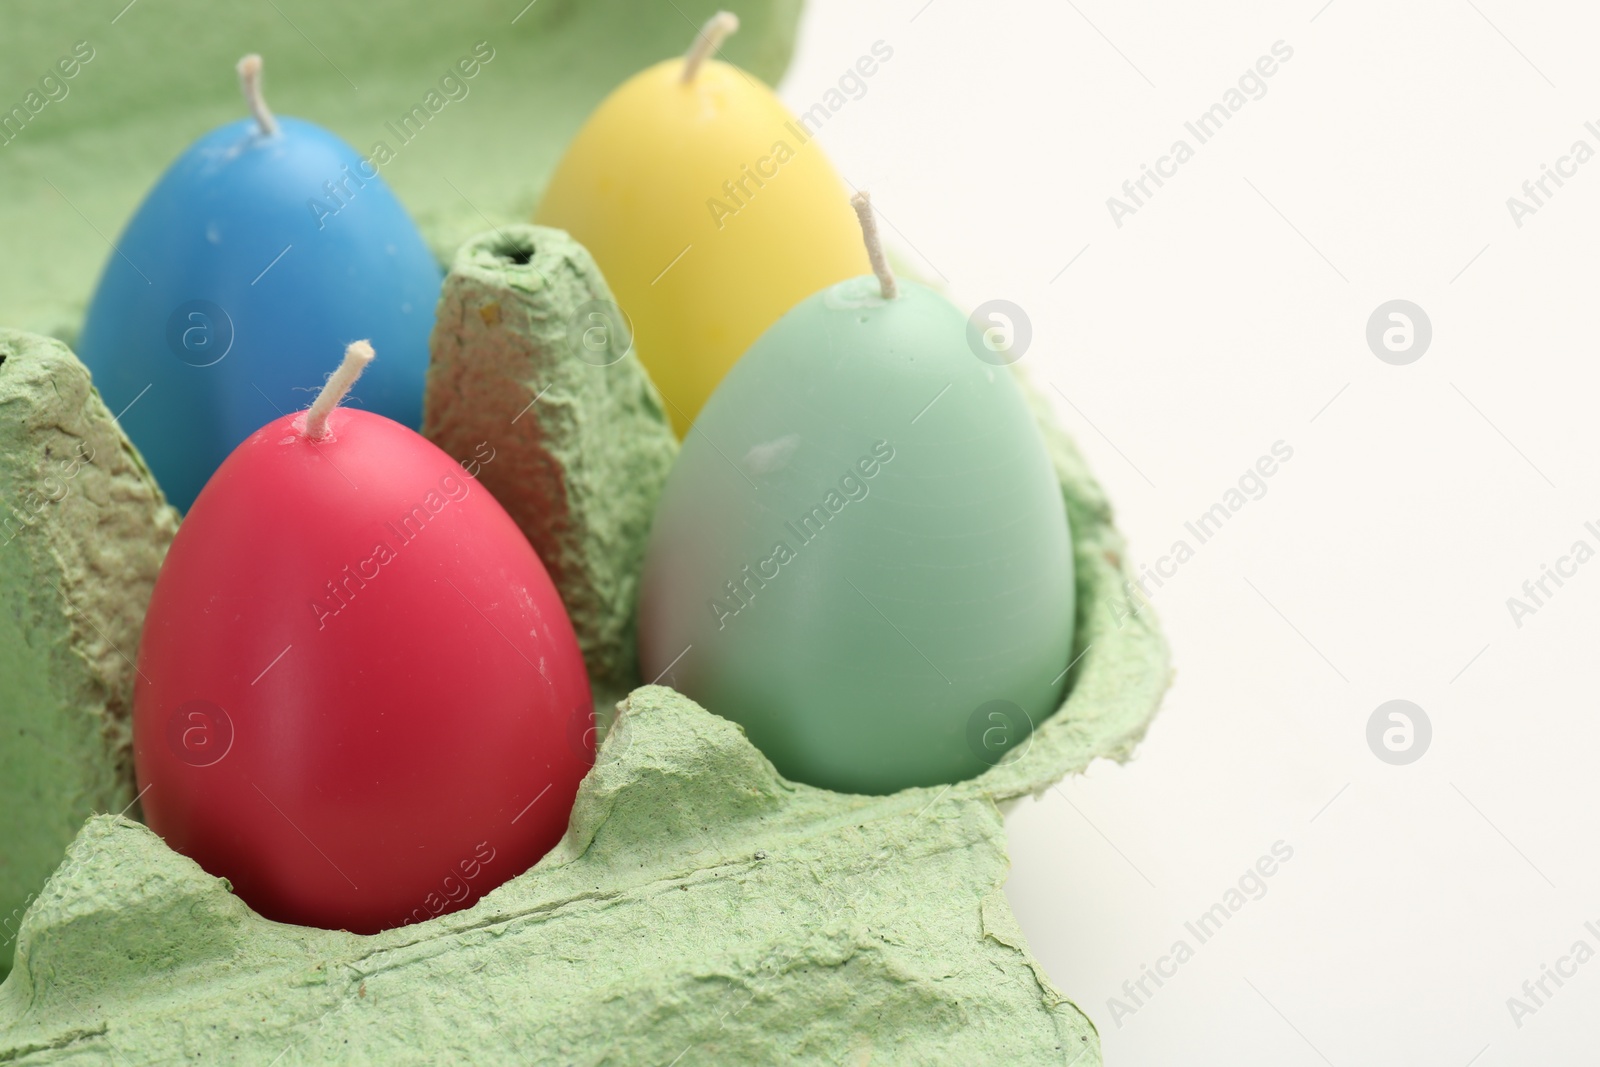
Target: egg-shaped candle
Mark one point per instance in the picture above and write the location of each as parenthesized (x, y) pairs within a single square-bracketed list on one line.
[(710, 210), (359, 698), (862, 554), (268, 242)]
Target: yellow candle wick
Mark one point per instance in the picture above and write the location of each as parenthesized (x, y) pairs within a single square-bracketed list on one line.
[(716, 30)]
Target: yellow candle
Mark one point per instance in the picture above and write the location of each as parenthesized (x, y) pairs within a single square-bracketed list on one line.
[(710, 210)]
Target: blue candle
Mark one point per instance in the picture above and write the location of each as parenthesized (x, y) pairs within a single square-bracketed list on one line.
[(265, 246)]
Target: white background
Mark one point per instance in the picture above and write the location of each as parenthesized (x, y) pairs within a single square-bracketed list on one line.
[(1227, 314)]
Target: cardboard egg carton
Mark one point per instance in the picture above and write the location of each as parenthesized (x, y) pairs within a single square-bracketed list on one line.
[(700, 908)]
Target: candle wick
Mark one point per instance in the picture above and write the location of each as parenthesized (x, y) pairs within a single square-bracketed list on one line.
[(356, 357), (862, 202), (249, 69), (710, 38)]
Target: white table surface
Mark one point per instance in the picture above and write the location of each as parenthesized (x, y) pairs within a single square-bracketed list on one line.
[(1227, 314)]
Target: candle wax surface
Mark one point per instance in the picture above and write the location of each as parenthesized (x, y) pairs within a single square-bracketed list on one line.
[(360, 699), (233, 282), (710, 211), (862, 555)]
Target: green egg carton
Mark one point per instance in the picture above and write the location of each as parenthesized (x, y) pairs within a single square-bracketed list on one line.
[(701, 908), (94, 105)]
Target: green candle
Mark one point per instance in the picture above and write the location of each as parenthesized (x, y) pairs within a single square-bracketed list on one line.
[(862, 555)]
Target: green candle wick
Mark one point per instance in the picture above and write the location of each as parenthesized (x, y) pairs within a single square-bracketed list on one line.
[(862, 202)]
